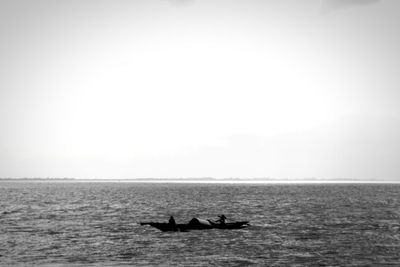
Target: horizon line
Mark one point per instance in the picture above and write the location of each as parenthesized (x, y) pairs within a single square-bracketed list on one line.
[(211, 180)]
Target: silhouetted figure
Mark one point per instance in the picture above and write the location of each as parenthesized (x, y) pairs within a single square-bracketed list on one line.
[(172, 222), (221, 219)]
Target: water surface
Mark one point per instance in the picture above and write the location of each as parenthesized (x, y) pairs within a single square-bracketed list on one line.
[(70, 223)]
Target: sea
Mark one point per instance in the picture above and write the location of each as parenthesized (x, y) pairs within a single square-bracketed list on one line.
[(97, 224)]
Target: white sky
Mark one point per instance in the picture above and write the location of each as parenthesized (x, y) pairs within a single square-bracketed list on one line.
[(157, 88)]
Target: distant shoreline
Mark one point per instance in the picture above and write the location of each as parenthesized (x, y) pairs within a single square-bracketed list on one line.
[(204, 180)]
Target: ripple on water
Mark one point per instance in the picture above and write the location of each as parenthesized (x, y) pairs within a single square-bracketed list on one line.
[(63, 224)]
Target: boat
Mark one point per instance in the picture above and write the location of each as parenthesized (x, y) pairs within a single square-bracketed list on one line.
[(196, 224)]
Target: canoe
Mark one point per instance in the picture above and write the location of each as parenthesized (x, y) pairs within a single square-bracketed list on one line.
[(196, 224)]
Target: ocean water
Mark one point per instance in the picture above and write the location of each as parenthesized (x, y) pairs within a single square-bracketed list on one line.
[(95, 224)]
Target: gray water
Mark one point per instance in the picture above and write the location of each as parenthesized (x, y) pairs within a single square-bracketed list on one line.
[(95, 224)]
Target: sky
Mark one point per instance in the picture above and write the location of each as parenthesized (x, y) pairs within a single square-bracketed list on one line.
[(195, 88)]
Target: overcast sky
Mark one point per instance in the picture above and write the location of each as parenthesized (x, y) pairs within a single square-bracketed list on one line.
[(196, 88)]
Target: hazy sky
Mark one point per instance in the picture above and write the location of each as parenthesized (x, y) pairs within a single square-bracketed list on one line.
[(196, 88)]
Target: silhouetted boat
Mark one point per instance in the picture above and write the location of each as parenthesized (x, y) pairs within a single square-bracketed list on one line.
[(196, 224)]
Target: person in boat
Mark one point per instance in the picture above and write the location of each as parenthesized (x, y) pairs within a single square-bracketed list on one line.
[(221, 219), (171, 221)]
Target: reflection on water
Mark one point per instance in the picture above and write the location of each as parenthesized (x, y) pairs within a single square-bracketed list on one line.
[(67, 223)]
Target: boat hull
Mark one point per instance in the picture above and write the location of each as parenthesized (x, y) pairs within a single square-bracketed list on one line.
[(166, 227)]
